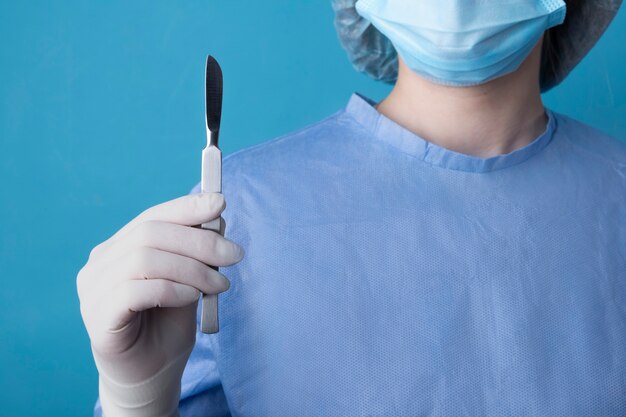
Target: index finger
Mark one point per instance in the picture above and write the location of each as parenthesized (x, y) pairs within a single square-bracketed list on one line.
[(188, 210)]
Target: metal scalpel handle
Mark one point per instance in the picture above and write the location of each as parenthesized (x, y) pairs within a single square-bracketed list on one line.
[(211, 182)]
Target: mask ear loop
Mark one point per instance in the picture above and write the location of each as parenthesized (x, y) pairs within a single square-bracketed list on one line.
[(549, 68)]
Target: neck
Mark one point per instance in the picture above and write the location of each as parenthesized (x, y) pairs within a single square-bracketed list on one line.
[(494, 118)]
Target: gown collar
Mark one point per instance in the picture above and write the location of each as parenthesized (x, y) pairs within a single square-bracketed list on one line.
[(382, 128)]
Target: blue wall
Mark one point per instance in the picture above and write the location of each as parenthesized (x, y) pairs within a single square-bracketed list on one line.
[(101, 116)]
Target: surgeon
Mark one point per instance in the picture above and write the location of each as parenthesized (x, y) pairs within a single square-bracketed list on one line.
[(456, 249)]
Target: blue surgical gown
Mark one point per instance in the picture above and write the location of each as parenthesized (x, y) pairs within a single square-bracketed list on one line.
[(387, 276)]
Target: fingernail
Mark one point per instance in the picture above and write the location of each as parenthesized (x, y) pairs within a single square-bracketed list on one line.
[(225, 284), (222, 283), (217, 199), (239, 252), (229, 251)]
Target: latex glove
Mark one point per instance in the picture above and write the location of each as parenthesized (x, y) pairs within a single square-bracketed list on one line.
[(138, 298)]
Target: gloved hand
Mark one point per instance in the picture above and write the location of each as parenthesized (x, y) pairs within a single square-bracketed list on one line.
[(138, 297)]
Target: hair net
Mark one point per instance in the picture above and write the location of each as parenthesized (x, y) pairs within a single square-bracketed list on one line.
[(564, 46)]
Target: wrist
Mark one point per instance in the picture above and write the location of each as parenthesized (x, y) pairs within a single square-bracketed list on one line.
[(157, 396)]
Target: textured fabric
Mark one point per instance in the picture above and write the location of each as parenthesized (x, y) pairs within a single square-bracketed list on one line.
[(462, 43), (564, 47), (386, 276)]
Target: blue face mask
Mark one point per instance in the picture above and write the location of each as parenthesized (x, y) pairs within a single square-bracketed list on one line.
[(463, 42)]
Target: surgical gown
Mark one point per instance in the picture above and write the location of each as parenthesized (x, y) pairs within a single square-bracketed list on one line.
[(388, 276)]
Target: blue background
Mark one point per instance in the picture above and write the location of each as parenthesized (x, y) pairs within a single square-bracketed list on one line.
[(101, 116)]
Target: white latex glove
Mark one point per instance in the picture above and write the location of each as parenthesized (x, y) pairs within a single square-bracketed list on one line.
[(138, 297)]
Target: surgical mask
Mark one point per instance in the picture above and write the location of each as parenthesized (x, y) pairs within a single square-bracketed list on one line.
[(463, 42)]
